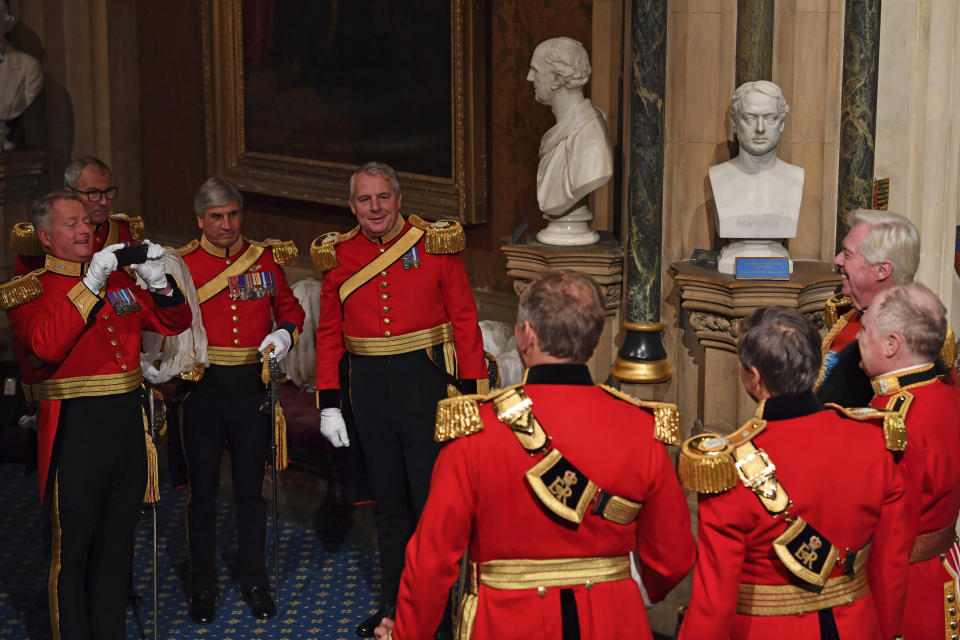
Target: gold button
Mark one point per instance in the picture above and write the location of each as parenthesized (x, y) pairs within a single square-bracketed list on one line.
[(233, 307), (111, 329), (953, 611), (382, 249), (117, 356), (386, 309), (953, 624), (386, 334), (588, 585), (123, 367), (227, 261), (113, 342), (236, 318), (236, 341), (383, 273), (386, 321), (106, 316), (384, 284), (542, 592), (236, 329), (384, 296)]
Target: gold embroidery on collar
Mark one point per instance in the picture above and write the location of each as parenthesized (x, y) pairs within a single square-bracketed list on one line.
[(220, 252), (64, 267), (890, 384), (389, 235)]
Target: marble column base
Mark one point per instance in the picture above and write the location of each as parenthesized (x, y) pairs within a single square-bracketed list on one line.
[(750, 249)]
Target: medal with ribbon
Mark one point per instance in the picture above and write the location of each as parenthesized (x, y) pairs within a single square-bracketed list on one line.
[(252, 285), (123, 301)]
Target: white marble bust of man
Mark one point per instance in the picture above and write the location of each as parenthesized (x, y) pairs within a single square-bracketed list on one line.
[(21, 77), (575, 154), (757, 194)]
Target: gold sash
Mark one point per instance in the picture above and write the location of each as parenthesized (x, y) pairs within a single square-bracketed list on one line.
[(217, 283), (381, 262)]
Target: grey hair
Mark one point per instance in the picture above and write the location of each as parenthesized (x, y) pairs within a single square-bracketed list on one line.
[(891, 237), (71, 175), (565, 310), (215, 192), (783, 346), (765, 87), (375, 168), (914, 312), (42, 207), (568, 60)]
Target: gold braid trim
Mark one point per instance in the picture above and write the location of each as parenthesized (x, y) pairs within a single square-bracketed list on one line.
[(137, 227), (152, 494), (285, 254), (442, 236), (24, 240), (835, 307), (323, 249), (83, 299), (666, 415), (706, 463), (280, 433), (835, 328), (949, 350), (457, 417), (189, 248), (21, 289), (893, 422)]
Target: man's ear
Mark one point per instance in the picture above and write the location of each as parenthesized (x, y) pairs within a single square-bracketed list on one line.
[(892, 344), (200, 221), (883, 270), (44, 237)]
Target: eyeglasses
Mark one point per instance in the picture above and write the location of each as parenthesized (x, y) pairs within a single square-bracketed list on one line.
[(95, 195)]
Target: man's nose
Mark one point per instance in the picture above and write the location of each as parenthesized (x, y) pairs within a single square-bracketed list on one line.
[(761, 127), (838, 259)]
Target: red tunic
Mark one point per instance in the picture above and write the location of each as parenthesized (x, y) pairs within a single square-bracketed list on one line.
[(396, 302), (845, 484), (931, 470), (480, 499), (76, 351), (235, 328)]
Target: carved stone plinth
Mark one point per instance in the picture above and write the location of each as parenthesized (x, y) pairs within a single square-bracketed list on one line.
[(602, 261), (716, 304)]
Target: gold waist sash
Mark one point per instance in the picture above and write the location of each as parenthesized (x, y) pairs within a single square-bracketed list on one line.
[(233, 356), (404, 343), (788, 600), (553, 572), (931, 545), (83, 386)]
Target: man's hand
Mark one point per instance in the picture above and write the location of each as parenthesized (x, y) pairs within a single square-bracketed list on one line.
[(383, 631), (281, 341), (333, 427), (154, 270), (102, 264)]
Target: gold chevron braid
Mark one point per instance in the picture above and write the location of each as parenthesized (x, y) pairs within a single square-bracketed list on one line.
[(24, 240), (457, 417), (19, 290)]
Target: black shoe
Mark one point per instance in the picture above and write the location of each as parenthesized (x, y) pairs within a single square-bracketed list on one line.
[(366, 628), (203, 606), (261, 604)]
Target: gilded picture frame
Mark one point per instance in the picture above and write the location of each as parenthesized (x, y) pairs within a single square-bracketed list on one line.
[(457, 189)]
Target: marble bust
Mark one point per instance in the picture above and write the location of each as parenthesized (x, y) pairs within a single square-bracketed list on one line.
[(21, 78), (575, 154), (756, 193)]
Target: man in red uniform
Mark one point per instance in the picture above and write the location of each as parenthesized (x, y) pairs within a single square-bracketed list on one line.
[(92, 180), (242, 291), (881, 250), (900, 339), (77, 321), (801, 514), (395, 298), (556, 483)]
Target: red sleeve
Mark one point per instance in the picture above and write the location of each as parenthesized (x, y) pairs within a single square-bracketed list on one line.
[(887, 565), (665, 541), (330, 346), (286, 307), (48, 328), (167, 315), (462, 311), (723, 542), (434, 551)]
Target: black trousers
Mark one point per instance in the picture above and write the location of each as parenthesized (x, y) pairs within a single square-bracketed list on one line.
[(97, 493), (223, 411), (394, 402)]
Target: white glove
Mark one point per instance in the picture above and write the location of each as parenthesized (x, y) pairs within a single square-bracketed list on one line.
[(333, 427), (281, 341), (102, 264), (154, 270)]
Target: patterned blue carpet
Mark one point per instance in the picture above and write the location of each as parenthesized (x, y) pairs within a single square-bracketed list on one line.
[(323, 596)]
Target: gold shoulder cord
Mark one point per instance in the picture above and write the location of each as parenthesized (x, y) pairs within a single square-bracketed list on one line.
[(458, 416), (893, 418), (442, 236), (323, 250), (285, 254), (24, 240), (20, 290)]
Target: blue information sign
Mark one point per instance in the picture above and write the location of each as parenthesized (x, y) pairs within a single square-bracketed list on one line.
[(763, 268)]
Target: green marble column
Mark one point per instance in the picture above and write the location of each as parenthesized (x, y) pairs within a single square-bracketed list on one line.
[(858, 116), (642, 357), (754, 40)]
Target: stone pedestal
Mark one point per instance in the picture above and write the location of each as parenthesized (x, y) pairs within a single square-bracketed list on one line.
[(715, 305), (602, 261)]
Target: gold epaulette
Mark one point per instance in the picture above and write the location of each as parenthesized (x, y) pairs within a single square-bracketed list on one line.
[(665, 415), (189, 248), (21, 289), (285, 254), (835, 307), (949, 351), (442, 236), (24, 240), (894, 422), (137, 227), (458, 416), (706, 463), (323, 250)]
